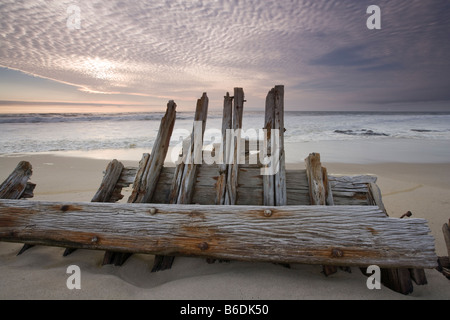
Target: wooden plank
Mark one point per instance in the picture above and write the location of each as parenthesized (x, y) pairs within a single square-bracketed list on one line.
[(329, 200), (446, 232), (227, 123), (145, 184), (315, 179), (15, 185), (108, 185), (235, 147), (351, 236), (195, 154), (298, 198), (269, 124), (280, 176), (374, 196)]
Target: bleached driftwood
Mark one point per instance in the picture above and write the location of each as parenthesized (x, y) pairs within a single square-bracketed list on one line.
[(317, 191), (235, 148), (186, 171), (331, 235), (275, 185), (108, 190), (227, 123), (16, 186), (145, 182)]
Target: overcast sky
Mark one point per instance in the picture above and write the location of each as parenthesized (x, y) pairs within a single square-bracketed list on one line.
[(143, 53)]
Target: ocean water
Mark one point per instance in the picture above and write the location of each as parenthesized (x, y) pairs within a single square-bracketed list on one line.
[(341, 136)]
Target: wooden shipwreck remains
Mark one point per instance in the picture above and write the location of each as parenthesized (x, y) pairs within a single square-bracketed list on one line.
[(236, 209)]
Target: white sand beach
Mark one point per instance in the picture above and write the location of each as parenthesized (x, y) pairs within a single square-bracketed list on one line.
[(40, 273)]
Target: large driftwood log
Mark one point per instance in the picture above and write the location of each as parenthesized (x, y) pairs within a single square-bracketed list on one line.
[(333, 235)]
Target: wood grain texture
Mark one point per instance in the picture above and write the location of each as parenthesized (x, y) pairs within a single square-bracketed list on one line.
[(16, 185), (295, 234), (446, 232), (235, 148), (227, 123), (189, 173), (151, 165), (107, 187), (314, 173), (280, 176)]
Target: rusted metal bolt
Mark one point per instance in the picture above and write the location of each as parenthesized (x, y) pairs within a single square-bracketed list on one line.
[(268, 213), (203, 246), (152, 211), (336, 253), (94, 239)]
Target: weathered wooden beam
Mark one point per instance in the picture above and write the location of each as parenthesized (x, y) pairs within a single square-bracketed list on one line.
[(374, 196), (269, 124), (314, 173), (329, 200), (16, 184), (235, 147), (195, 153), (318, 192), (446, 232), (227, 122), (330, 235), (108, 185), (280, 176), (145, 183)]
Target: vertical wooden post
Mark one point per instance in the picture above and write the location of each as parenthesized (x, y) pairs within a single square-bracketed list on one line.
[(268, 180), (107, 187), (16, 184), (280, 176), (446, 232), (227, 122), (317, 191), (235, 148), (195, 153), (275, 185), (145, 185)]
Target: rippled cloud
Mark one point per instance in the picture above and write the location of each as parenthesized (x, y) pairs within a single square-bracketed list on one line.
[(321, 50)]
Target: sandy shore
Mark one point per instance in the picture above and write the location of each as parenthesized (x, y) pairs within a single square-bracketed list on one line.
[(40, 273)]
